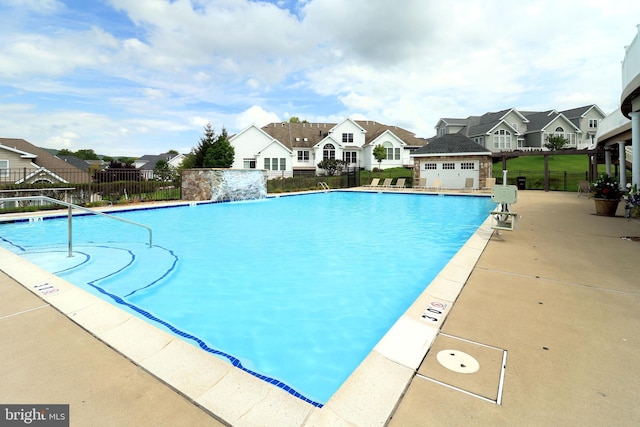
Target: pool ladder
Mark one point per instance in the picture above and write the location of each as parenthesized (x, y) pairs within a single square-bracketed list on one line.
[(71, 206), (324, 186)]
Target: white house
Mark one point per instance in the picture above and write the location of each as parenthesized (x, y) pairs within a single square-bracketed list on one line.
[(286, 149)]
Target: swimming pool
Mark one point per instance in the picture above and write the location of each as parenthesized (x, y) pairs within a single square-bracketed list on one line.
[(297, 290)]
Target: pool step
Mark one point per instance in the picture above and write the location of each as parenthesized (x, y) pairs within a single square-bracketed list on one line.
[(120, 269)]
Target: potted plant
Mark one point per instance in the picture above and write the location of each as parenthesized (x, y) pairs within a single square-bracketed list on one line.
[(607, 194), (632, 199)]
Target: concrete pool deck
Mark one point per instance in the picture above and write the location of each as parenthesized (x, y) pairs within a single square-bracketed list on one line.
[(560, 295)]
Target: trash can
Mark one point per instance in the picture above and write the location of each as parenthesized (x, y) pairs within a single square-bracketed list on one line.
[(522, 182)]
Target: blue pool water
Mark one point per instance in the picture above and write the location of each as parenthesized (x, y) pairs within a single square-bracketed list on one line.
[(296, 290)]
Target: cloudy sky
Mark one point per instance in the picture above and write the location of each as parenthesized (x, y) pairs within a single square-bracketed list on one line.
[(134, 77)]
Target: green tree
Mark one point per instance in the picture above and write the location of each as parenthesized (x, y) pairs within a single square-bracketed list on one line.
[(65, 152), (221, 153), (163, 171), (127, 161), (86, 154), (206, 142), (294, 119), (189, 162), (332, 166), (555, 142), (380, 153)]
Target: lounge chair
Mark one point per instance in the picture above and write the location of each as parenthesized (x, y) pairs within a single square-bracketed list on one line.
[(387, 183), (584, 188), (437, 184), (468, 184), (399, 183), (490, 183), (374, 183), (422, 184)]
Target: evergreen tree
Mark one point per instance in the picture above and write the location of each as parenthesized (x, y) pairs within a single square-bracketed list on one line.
[(221, 153), (206, 142)]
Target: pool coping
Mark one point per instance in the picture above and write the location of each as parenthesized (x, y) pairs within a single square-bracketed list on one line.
[(368, 397)]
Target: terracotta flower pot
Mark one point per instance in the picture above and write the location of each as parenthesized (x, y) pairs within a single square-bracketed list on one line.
[(606, 207)]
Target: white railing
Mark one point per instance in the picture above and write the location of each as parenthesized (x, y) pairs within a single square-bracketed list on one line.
[(71, 206), (612, 122)]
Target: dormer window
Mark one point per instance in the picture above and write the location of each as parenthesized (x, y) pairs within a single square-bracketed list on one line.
[(347, 137), (593, 123)]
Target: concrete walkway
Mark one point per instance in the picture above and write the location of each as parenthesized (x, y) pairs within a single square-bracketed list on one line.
[(560, 297)]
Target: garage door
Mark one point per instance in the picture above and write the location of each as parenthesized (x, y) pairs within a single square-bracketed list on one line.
[(452, 174)]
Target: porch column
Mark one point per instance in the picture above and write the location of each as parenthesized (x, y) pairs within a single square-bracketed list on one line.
[(607, 161), (635, 146), (623, 165)]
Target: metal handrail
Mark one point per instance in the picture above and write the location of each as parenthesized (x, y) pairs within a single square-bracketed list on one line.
[(71, 206)]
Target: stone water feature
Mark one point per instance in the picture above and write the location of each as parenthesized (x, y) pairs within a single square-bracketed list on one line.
[(219, 185)]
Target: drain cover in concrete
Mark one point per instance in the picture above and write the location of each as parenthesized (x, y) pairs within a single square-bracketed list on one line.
[(485, 380), (458, 361)]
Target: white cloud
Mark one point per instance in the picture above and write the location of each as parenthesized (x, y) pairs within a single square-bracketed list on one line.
[(255, 115), (43, 7), (151, 75)]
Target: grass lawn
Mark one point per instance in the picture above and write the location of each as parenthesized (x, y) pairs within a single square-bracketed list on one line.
[(367, 176), (572, 163)]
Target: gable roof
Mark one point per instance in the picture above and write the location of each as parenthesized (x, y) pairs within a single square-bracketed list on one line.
[(539, 121), (75, 161), (307, 135), (44, 159), (536, 120), (579, 112), (452, 143), (152, 159)]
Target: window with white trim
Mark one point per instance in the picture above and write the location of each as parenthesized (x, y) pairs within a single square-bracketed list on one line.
[(430, 166), (272, 163), (593, 123), (328, 152), (347, 137), (502, 139), (349, 157), (389, 149), (303, 156), (4, 168), (249, 163), (448, 166), (397, 153)]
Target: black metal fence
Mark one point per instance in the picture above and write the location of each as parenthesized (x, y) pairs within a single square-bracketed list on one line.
[(86, 188), (351, 178), (534, 180)]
